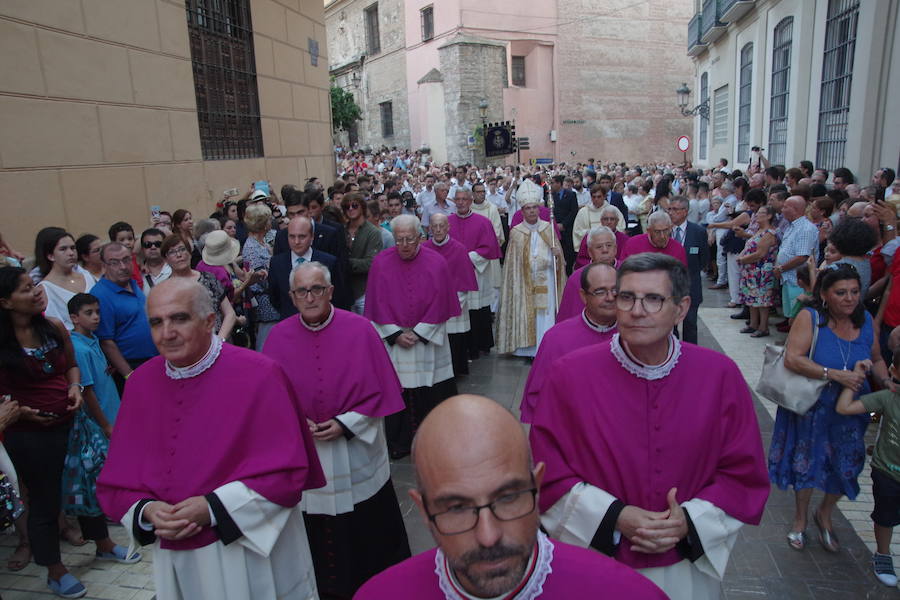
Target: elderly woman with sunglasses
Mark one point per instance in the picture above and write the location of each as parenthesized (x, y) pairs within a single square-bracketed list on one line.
[(39, 372), (363, 242)]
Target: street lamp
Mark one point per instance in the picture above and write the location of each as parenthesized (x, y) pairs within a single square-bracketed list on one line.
[(483, 106), (684, 95)]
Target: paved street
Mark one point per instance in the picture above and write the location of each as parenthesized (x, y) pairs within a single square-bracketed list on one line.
[(762, 564)]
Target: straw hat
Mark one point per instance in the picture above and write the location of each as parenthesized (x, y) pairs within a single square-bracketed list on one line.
[(220, 249)]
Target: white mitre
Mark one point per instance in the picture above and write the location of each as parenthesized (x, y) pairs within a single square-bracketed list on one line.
[(529, 192)]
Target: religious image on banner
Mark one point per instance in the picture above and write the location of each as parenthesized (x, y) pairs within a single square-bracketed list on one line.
[(498, 140)]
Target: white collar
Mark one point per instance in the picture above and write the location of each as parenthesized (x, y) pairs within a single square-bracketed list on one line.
[(532, 227), (638, 369), (595, 326), (320, 325), (208, 360), (437, 243), (465, 216), (539, 567)]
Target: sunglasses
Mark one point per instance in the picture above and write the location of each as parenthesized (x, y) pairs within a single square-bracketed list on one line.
[(352, 206), (46, 367), (151, 244)]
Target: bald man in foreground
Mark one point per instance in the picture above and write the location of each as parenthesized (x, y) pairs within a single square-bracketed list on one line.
[(477, 490)]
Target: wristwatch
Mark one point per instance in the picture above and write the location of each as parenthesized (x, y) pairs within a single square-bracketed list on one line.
[(825, 373), (888, 227), (80, 387)]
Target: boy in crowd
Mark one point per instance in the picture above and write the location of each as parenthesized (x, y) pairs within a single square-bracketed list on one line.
[(123, 233), (885, 462), (101, 399)]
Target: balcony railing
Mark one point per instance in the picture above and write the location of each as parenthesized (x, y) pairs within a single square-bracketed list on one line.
[(695, 46), (710, 25), (732, 10)]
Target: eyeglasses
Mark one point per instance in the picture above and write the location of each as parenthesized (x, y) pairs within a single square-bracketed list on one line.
[(157, 244), (604, 292), (507, 507), (352, 206), (178, 251), (317, 291), (118, 262), (408, 241), (651, 303)]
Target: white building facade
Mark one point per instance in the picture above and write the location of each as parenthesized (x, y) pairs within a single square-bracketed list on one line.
[(814, 80)]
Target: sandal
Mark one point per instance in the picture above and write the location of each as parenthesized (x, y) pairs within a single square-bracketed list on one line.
[(827, 538), (71, 535), (797, 540), (20, 558), (759, 333), (67, 587), (748, 329)]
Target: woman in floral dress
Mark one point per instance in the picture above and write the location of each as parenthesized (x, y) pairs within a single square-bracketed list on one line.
[(757, 282)]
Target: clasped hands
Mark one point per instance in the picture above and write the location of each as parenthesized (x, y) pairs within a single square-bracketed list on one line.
[(407, 339), (180, 521), (653, 532)]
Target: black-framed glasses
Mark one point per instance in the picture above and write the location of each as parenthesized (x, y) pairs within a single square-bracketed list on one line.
[(156, 244), (47, 366), (463, 518), (317, 291), (177, 251), (651, 303)]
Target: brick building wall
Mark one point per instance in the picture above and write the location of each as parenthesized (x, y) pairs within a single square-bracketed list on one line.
[(618, 72)]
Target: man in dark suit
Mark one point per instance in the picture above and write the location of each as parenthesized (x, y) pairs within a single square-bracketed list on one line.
[(325, 237), (565, 208), (693, 238), (614, 198), (300, 234)]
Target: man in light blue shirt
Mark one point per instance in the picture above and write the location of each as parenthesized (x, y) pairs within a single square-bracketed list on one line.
[(800, 241)]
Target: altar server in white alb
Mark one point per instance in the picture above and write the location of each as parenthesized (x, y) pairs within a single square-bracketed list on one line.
[(208, 461), (346, 385)]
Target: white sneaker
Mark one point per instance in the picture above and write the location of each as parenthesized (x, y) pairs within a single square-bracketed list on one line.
[(883, 566)]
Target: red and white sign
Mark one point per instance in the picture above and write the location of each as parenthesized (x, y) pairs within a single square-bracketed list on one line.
[(683, 143)]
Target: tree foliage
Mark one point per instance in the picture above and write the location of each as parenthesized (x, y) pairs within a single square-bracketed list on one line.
[(344, 110)]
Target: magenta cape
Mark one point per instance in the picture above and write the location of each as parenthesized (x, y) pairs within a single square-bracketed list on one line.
[(237, 421), (571, 304), (461, 268), (340, 368), (584, 258), (694, 429), (575, 570), (476, 233), (563, 338), (407, 292), (641, 243), (543, 215)]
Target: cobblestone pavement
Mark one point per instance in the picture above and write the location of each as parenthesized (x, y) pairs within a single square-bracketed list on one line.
[(762, 565)]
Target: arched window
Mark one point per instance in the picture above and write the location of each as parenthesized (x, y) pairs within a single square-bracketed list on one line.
[(704, 123), (745, 87), (837, 77), (781, 83)]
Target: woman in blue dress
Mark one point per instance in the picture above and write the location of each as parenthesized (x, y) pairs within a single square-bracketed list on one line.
[(822, 449)]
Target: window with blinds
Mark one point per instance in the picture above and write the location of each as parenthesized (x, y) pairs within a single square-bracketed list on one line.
[(837, 78), (745, 90), (781, 83)]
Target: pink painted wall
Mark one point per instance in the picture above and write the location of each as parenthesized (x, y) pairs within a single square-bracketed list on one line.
[(528, 28)]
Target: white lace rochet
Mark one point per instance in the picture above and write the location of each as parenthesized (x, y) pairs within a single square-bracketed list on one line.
[(215, 347), (532, 589), (638, 369)]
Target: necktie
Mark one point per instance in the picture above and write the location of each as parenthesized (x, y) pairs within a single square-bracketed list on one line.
[(679, 235), (300, 260)]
